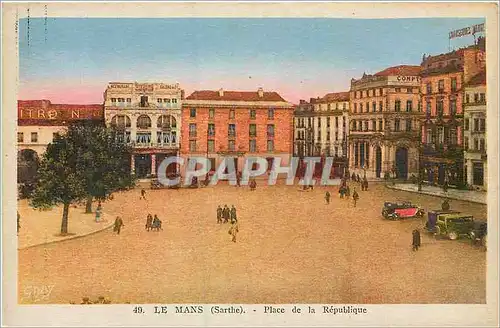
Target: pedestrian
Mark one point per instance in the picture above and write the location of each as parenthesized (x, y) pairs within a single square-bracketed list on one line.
[(232, 214), (149, 222), (143, 194), (358, 179), (226, 214), (219, 214), (365, 182), (118, 225), (416, 239), (18, 222), (355, 196), (341, 191), (157, 223), (446, 205), (98, 212), (233, 230), (327, 197), (253, 184), (353, 177), (445, 186)]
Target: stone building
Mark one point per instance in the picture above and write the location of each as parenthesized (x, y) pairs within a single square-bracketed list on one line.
[(475, 158), (443, 79), (148, 116), (237, 124), (321, 128), (384, 123)]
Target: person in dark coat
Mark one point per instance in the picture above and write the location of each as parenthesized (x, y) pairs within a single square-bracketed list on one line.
[(327, 197), (149, 222), (365, 183), (353, 177), (355, 197), (219, 214), (233, 214), (416, 239), (157, 223), (342, 191), (143, 194), (446, 205), (358, 179), (118, 225), (226, 214)]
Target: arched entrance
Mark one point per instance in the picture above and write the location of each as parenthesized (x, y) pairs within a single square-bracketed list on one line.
[(27, 168), (402, 162), (378, 161), (142, 165)]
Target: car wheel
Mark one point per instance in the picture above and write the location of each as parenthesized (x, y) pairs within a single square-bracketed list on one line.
[(453, 235), (437, 232)]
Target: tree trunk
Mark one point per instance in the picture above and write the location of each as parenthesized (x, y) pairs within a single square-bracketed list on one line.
[(64, 223), (88, 205)]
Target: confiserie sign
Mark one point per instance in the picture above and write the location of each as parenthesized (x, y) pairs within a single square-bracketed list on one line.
[(467, 31)]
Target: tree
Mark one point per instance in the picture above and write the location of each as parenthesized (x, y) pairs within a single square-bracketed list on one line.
[(86, 162)]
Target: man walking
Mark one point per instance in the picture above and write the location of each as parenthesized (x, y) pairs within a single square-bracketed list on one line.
[(219, 214), (149, 222), (233, 214), (225, 214), (416, 239), (233, 231), (118, 225), (327, 197), (143, 194), (355, 196)]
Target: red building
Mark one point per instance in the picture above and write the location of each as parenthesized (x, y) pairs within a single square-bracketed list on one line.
[(237, 124)]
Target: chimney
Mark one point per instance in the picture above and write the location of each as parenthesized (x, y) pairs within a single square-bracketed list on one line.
[(221, 92), (261, 92)]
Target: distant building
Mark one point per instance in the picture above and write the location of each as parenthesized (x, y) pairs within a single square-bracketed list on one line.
[(148, 115), (443, 79), (475, 132), (237, 124), (384, 123)]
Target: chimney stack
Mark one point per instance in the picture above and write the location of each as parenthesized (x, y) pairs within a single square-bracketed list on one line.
[(261, 92), (221, 92)]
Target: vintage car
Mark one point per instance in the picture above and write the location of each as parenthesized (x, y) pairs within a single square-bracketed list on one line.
[(400, 210), (452, 225), (432, 218), (479, 232)]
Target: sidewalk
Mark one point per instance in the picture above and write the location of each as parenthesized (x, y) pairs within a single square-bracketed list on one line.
[(471, 196), (43, 227)]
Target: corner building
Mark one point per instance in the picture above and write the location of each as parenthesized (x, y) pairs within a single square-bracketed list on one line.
[(147, 116), (384, 123), (237, 124)]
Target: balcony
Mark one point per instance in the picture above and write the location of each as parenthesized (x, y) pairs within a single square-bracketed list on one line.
[(170, 145)]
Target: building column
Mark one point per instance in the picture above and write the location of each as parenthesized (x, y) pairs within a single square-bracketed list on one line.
[(132, 164), (469, 172), (153, 164)]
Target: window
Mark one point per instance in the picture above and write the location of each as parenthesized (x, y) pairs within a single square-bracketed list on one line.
[(344, 106), (440, 135), (270, 145), (482, 145), (252, 114), (482, 125), (319, 135), (439, 107), (466, 124), (374, 125), (343, 121), (374, 107), (174, 101), (408, 125), (328, 122), (143, 137), (380, 127), (380, 106), (409, 90), (396, 124), (231, 130), (336, 122), (328, 136), (453, 84), (336, 136), (482, 97), (166, 100), (398, 89), (159, 100), (381, 91), (129, 100), (466, 143), (192, 112), (476, 144), (144, 101), (409, 105), (476, 97), (20, 137), (143, 122), (192, 145), (231, 113), (476, 124), (192, 130), (366, 125), (328, 107), (270, 114), (211, 113), (367, 107), (121, 121), (361, 108), (113, 100), (453, 107), (211, 145), (397, 105), (467, 98), (121, 100), (441, 86), (253, 130), (363, 94), (252, 146), (230, 145), (319, 122), (355, 107), (428, 88), (336, 151), (428, 136), (211, 130)]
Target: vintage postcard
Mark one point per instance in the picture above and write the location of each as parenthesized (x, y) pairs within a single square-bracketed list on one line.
[(239, 164)]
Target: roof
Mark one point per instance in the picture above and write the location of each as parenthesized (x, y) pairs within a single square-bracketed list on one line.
[(43, 112), (235, 96), (407, 70), (448, 69), (336, 96), (478, 79)]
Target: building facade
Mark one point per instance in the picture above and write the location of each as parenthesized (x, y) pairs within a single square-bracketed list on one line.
[(321, 128), (475, 158), (443, 80), (237, 124), (148, 116), (384, 123)]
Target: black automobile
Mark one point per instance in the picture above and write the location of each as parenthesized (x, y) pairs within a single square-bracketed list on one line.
[(400, 210), (479, 232)]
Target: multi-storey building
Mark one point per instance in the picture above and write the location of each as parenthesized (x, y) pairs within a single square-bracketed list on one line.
[(321, 128), (475, 132), (237, 124), (384, 122), (148, 116), (443, 80)]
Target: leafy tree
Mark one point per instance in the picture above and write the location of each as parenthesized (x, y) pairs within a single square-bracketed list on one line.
[(86, 162)]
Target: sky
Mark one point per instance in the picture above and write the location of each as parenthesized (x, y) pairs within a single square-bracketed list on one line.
[(71, 60)]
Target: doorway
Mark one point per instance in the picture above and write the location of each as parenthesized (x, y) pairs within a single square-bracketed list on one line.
[(378, 162), (402, 163)]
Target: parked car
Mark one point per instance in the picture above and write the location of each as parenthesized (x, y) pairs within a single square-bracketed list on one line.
[(401, 210), (432, 217), (479, 232), (453, 225)]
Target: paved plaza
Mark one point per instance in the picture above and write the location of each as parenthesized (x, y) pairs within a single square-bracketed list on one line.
[(292, 248)]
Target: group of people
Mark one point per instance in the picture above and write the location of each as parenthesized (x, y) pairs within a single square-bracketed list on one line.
[(225, 215), (363, 182), (153, 224)]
